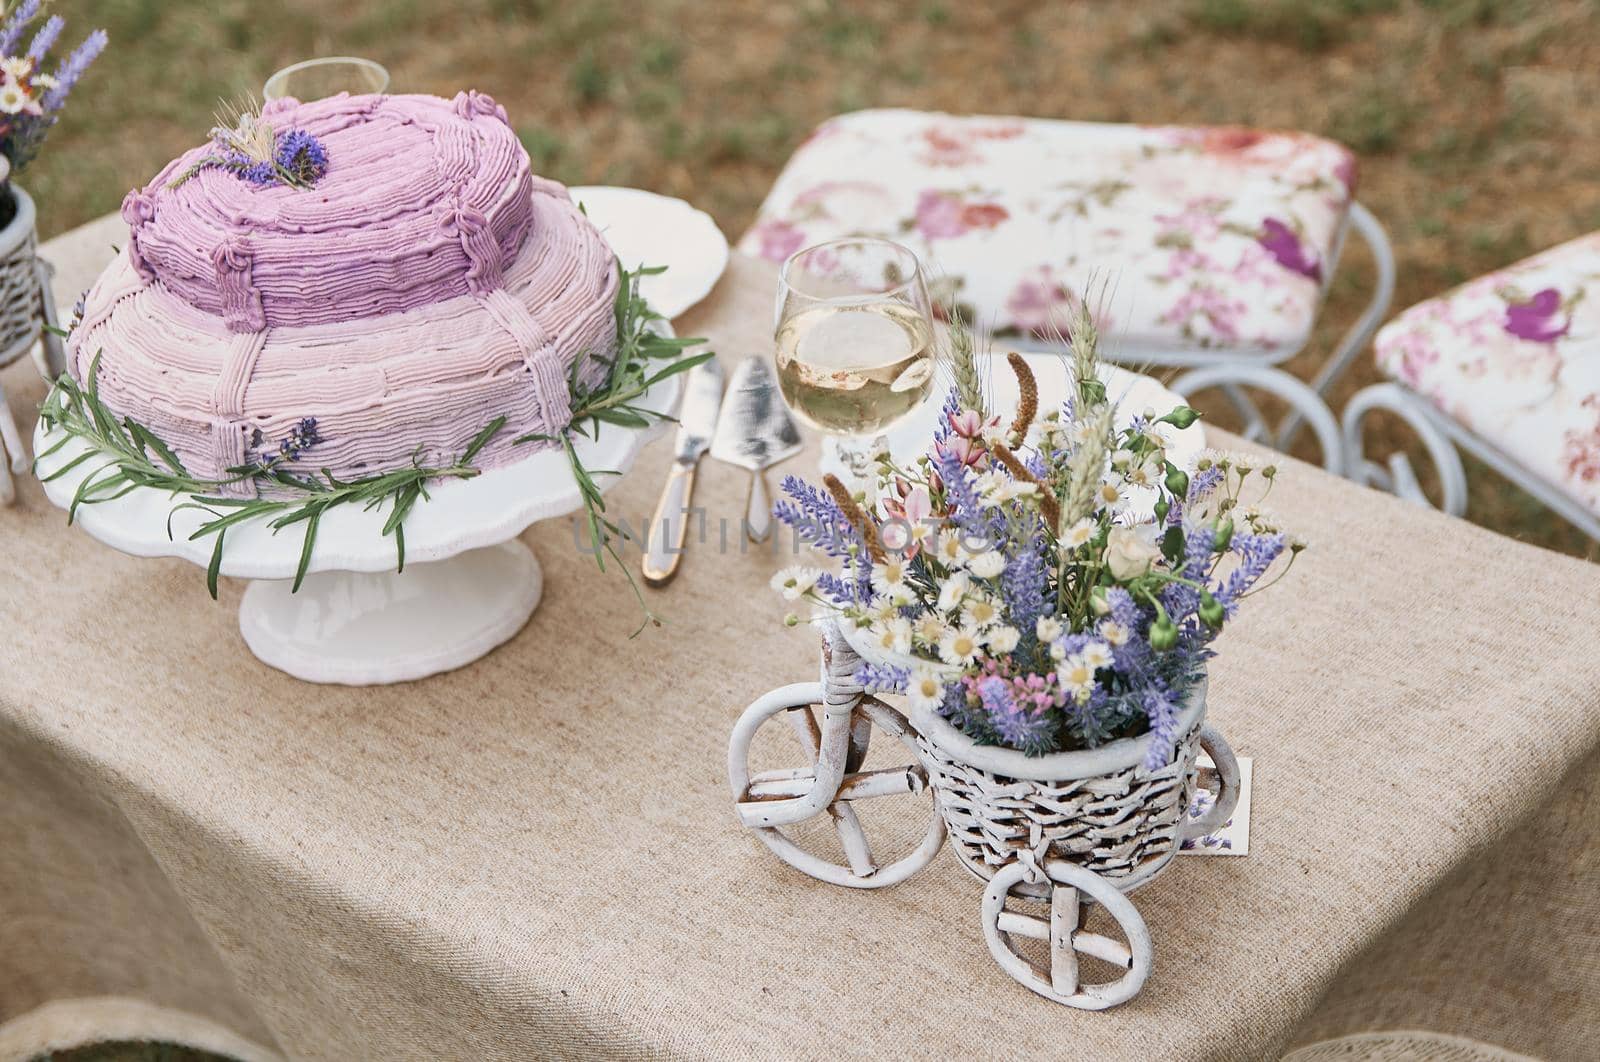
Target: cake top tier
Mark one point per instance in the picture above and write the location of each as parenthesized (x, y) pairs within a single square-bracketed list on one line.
[(423, 199)]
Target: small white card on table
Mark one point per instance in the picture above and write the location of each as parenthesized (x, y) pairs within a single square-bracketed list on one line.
[(1233, 837)]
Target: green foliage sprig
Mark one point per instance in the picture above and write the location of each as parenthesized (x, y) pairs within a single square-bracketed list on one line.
[(131, 456), (644, 357)]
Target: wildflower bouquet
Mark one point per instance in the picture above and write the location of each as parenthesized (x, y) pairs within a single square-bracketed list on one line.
[(1016, 578), (30, 99)]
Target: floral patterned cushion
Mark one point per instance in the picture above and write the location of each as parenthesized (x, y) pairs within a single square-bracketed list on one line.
[(1181, 237), (1515, 357)]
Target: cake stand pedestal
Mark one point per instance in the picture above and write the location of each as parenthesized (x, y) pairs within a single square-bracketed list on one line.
[(468, 584), (366, 628)]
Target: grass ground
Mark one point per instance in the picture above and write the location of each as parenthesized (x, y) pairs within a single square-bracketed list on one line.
[(1473, 118)]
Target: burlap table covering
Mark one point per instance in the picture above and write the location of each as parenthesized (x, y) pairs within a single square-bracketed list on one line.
[(536, 856)]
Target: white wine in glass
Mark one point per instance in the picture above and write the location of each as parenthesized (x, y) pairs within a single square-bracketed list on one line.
[(855, 335)]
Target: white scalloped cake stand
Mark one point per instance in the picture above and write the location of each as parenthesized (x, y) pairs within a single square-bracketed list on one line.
[(468, 585)]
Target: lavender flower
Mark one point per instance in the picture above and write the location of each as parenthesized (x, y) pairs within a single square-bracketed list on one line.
[(11, 32), (1163, 715), (1025, 585), (1182, 601), (1256, 554), (951, 407), (1203, 482), (302, 437), (68, 74), (302, 156), (45, 39), (882, 678), (1016, 725), (817, 519)]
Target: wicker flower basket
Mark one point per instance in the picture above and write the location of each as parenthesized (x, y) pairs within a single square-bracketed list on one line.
[(19, 279), (21, 314), (1100, 809)]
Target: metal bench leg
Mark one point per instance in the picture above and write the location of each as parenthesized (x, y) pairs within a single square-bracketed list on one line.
[(1298, 395), (1397, 476), (1359, 334)]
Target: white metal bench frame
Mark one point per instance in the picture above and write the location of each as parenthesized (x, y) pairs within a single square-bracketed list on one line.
[(1236, 373), (1442, 436)]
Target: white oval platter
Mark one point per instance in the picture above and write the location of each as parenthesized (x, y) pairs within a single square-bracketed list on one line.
[(644, 228)]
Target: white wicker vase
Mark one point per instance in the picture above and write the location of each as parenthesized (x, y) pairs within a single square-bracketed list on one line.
[(19, 280), (1100, 809), (23, 285)]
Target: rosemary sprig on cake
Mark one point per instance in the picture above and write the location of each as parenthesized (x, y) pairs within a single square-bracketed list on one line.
[(643, 359), (134, 457), (130, 456)]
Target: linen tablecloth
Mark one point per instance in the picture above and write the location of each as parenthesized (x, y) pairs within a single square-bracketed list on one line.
[(536, 856)]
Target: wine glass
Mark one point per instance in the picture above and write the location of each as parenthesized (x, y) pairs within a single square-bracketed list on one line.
[(315, 79), (855, 341)]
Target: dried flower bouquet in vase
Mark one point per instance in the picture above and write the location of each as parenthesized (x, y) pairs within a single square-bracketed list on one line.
[(1044, 587)]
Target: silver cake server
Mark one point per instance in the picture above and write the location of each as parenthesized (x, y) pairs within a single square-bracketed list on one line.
[(702, 395), (755, 431)]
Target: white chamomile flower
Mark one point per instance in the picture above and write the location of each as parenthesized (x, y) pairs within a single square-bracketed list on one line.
[(949, 551), (16, 67), (1076, 676), (1003, 639), (1114, 633), (1048, 628), (795, 582), (996, 434), (1097, 655), (1146, 474), (1047, 434), (1082, 431), (12, 99), (1108, 496), (958, 646), (923, 688), (929, 628), (954, 591), (1058, 652), (893, 636), (991, 484), (1121, 459), (1079, 533), (987, 565), (1261, 521), (981, 611), (889, 576), (884, 609), (1017, 488)]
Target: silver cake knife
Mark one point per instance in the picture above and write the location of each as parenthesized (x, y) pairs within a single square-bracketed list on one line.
[(755, 431), (702, 395)]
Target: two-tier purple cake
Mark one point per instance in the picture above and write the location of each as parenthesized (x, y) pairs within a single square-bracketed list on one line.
[(422, 286)]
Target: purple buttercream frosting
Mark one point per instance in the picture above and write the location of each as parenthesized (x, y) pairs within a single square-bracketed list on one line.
[(427, 283)]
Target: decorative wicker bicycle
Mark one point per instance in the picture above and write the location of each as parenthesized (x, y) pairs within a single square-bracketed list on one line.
[(1072, 829)]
